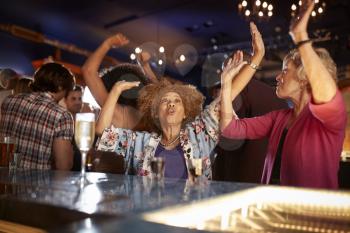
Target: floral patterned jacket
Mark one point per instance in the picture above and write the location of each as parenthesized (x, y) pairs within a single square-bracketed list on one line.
[(198, 140)]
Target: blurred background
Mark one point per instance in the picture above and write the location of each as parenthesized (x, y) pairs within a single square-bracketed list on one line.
[(187, 39)]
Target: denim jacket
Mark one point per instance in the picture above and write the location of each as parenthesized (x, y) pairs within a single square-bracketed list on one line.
[(197, 139)]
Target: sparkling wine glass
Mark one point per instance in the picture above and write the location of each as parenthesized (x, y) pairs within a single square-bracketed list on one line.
[(84, 135)]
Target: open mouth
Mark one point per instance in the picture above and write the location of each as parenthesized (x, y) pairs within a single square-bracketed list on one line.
[(171, 111)]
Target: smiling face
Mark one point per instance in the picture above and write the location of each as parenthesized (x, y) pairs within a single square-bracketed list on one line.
[(288, 83), (171, 109)]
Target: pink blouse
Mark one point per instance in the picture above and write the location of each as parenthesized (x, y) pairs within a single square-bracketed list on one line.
[(312, 147)]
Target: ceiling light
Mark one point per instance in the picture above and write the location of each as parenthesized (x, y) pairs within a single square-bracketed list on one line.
[(182, 58), (255, 9), (138, 50), (320, 7)]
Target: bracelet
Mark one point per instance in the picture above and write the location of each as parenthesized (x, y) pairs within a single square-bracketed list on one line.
[(253, 65), (300, 43)]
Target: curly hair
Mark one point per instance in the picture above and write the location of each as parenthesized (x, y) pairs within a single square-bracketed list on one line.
[(323, 54), (151, 94), (128, 72)]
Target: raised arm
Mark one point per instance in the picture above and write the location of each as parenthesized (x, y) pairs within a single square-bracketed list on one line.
[(247, 72), (143, 61), (92, 64), (108, 108), (322, 84), (231, 69)]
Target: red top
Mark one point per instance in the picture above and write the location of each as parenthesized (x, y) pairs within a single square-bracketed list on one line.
[(312, 147)]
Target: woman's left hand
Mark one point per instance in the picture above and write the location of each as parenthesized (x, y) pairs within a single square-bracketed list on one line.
[(298, 26), (233, 66)]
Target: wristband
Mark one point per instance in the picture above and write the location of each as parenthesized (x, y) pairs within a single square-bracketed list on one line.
[(300, 43), (253, 65)]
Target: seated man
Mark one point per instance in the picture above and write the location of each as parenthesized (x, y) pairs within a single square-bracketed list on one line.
[(74, 104), (42, 128)]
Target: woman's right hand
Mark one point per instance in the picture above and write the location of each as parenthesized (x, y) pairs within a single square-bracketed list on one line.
[(123, 85), (257, 42), (117, 40)]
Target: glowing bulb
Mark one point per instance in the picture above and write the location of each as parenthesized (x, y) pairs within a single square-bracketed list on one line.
[(182, 58), (138, 50), (313, 13), (160, 62), (132, 56), (317, 1), (294, 7), (269, 13), (300, 2), (264, 5), (258, 2), (261, 14), (161, 49), (247, 12), (270, 7), (244, 3), (320, 10)]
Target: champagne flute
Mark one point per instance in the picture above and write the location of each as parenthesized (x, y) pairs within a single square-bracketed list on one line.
[(84, 135)]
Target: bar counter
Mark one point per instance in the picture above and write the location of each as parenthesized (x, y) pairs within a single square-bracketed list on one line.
[(55, 202)]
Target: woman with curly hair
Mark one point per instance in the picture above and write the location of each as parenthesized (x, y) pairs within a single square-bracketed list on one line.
[(181, 130)]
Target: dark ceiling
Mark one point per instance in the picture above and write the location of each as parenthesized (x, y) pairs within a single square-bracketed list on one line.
[(178, 25)]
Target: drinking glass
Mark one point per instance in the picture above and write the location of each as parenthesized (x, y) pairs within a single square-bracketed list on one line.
[(84, 135), (158, 167), (7, 149), (195, 169)]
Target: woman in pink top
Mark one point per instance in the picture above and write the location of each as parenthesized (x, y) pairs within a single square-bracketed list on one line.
[(305, 142)]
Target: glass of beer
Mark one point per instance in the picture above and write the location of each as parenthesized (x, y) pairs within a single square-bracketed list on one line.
[(84, 135), (7, 149)]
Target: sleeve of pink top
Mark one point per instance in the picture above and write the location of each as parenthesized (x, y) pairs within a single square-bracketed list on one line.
[(250, 128), (331, 114)]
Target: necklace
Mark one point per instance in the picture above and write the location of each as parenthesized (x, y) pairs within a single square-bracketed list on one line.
[(169, 143)]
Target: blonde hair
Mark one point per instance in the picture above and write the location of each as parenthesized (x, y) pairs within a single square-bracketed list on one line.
[(151, 94), (322, 53)]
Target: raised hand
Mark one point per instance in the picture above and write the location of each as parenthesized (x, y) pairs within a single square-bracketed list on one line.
[(144, 57), (298, 26), (257, 42), (232, 68), (123, 85), (117, 40)]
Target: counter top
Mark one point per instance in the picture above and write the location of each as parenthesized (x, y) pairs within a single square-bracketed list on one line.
[(107, 194)]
